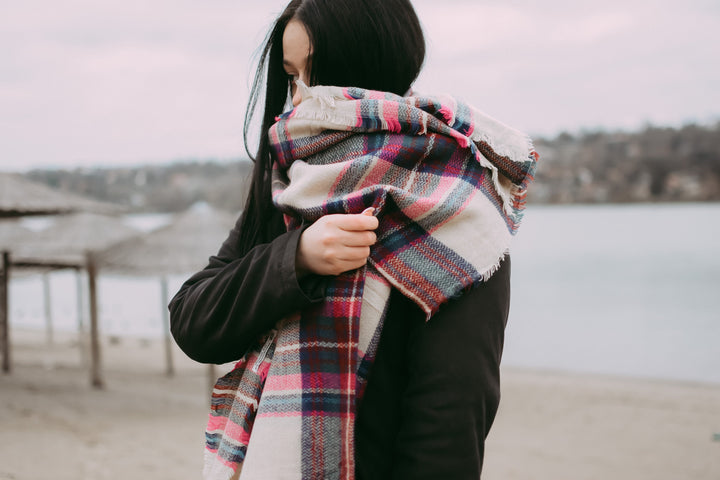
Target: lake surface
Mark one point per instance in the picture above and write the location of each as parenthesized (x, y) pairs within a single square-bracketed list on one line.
[(628, 290), (621, 290)]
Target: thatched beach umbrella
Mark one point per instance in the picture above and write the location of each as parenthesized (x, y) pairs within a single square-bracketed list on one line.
[(66, 244), (20, 197), (70, 237), (182, 247), (12, 234)]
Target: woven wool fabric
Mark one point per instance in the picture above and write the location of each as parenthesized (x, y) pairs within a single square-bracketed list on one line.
[(448, 185)]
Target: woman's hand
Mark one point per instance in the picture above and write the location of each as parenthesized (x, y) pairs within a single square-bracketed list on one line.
[(336, 243)]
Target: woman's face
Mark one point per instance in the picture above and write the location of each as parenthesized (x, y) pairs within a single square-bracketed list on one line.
[(296, 56)]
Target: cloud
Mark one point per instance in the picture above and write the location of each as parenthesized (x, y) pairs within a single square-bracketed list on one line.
[(559, 65), (87, 82), (112, 82)]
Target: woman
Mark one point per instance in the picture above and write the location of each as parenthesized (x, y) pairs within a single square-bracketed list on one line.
[(366, 284)]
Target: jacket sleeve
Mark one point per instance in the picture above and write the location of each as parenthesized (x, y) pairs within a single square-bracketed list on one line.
[(220, 312)]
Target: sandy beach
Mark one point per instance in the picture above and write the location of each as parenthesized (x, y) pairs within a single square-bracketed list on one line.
[(551, 425)]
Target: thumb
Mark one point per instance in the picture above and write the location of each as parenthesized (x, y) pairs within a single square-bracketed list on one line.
[(368, 211)]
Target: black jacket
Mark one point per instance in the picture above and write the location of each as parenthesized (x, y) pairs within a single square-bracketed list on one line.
[(433, 389)]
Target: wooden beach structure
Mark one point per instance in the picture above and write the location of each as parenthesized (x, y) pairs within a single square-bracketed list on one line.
[(97, 243), (70, 243), (20, 198), (11, 233), (180, 248)]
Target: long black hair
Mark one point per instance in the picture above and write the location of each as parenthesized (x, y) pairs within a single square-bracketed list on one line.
[(371, 44)]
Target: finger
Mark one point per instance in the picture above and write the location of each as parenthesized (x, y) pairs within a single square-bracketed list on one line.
[(368, 211), (356, 222), (354, 255), (363, 238)]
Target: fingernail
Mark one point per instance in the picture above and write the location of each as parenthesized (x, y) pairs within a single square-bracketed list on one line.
[(368, 211)]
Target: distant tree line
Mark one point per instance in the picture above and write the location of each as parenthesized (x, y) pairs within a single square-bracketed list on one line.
[(158, 188), (652, 165)]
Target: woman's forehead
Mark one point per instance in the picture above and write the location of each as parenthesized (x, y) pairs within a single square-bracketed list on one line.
[(296, 44)]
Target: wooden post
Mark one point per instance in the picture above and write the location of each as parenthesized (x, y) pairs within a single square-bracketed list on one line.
[(95, 371), (169, 367), (212, 376), (47, 299), (5, 312), (82, 342)]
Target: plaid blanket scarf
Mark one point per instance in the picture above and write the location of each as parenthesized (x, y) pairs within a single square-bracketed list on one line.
[(448, 186)]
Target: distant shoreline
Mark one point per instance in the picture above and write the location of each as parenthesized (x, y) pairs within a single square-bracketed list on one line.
[(658, 165)]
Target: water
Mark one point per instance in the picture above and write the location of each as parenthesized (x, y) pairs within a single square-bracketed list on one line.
[(128, 306), (622, 290), (626, 290)]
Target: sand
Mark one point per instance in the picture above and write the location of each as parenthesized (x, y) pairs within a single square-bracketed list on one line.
[(144, 425), (584, 427)]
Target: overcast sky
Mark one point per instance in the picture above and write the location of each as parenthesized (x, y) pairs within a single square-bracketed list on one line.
[(114, 82)]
